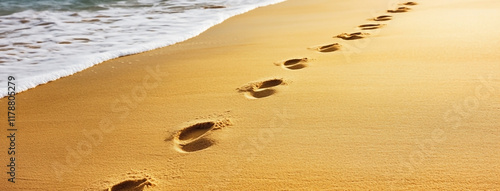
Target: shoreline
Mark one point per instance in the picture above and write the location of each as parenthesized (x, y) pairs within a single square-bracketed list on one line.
[(32, 72), (239, 108)]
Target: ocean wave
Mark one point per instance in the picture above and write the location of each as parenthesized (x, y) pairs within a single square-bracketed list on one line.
[(39, 46)]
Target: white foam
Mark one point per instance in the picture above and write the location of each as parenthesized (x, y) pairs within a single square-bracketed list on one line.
[(37, 51)]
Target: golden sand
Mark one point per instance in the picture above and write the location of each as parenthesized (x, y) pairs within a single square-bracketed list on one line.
[(268, 100)]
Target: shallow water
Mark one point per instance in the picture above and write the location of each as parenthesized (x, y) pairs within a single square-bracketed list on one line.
[(43, 40)]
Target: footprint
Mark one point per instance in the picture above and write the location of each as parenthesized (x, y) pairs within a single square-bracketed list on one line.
[(411, 3), (370, 26), (198, 145), (193, 132), (351, 36), (256, 90), (399, 10), (194, 138), (293, 64), (382, 18), (327, 48), (131, 185)]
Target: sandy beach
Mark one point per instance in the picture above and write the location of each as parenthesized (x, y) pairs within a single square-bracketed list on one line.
[(279, 98)]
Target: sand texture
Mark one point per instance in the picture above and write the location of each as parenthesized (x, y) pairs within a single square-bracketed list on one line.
[(301, 95)]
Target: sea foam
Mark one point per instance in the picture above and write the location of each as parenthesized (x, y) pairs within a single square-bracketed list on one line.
[(39, 46)]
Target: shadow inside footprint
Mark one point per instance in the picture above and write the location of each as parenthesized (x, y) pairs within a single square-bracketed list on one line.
[(260, 89), (261, 93), (399, 10), (410, 3), (197, 145), (294, 61), (351, 36), (270, 83), (370, 26), (194, 132), (295, 64), (382, 18), (131, 185), (329, 48), (197, 137)]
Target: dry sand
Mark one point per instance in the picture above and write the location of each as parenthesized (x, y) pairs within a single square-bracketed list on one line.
[(410, 104)]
